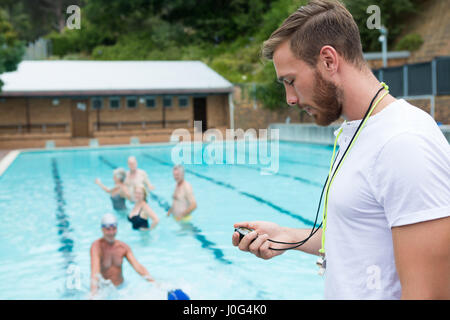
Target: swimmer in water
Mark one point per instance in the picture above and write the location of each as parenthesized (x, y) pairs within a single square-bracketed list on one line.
[(119, 192), (107, 255), (183, 197), (142, 212), (136, 177)]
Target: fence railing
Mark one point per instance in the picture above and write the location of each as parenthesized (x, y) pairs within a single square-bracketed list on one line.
[(38, 50), (312, 133), (418, 79)]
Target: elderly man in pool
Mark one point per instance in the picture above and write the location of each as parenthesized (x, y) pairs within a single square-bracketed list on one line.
[(136, 177), (107, 255), (183, 197)]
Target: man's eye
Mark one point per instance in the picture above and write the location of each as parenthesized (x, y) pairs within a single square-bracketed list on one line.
[(289, 82)]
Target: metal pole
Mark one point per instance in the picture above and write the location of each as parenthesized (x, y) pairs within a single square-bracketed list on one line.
[(27, 115), (405, 80), (231, 109), (383, 40), (432, 106), (384, 51)]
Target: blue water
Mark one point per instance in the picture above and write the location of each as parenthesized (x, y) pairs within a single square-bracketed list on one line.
[(50, 211)]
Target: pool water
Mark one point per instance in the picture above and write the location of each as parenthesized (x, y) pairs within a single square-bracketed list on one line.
[(50, 211)]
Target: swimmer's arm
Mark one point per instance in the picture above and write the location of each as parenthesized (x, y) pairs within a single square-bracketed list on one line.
[(147, 182), (152, 215), (137, 266), (191, 199), (95, 267), (101, 185), (125, 193)]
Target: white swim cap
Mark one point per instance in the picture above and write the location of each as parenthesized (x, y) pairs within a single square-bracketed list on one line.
[(109, 218)]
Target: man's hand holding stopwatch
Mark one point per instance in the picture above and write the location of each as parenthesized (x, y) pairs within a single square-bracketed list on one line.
[(257, 242)]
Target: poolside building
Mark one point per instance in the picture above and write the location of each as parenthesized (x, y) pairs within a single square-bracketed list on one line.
[(72, 102)]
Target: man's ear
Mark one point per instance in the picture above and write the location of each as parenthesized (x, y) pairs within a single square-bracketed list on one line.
[(328, 60)]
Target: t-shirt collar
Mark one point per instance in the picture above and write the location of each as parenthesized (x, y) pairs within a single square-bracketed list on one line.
[(349, 127)]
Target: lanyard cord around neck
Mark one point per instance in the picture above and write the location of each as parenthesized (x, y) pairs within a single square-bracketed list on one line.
[(352, 141), (328, 181)]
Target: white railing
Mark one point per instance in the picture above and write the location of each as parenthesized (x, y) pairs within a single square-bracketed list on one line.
[(311, 133), (302, 132)]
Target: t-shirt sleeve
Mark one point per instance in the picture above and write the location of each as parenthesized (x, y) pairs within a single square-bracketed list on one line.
[(411, 178)]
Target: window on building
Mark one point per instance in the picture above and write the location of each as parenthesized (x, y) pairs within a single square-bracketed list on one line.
[(114, 102), (96, 103), (167, 102), (131, 102), (183, 101), (150, 102)]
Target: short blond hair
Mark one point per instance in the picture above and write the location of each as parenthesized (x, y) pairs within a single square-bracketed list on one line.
[(319, 23)]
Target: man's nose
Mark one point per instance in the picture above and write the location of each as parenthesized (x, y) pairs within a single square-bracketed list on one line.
[(291, 99), (291, 96)]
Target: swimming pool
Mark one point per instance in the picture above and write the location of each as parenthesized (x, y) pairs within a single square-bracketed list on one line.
[(51, 210)]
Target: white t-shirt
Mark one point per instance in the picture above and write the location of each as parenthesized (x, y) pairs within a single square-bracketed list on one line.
[(397, 173)]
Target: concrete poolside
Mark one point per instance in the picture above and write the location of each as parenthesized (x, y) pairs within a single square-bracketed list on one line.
[(3, 153)]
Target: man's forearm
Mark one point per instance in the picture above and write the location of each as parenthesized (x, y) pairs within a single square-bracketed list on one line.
[(143, 272), (188, 211), (311, 246), (94, 284), (149, 185)]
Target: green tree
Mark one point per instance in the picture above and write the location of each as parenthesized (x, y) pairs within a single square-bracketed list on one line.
[(11, 48)]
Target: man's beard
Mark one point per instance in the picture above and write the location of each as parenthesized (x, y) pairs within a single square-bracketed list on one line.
[(327, 97)]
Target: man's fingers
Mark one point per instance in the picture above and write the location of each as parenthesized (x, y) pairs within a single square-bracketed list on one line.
[(244, 224), (245, 242), (235, 239), (264, 250), (254, 247)]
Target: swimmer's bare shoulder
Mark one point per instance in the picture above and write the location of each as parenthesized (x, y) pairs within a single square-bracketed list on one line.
[(96, 243), (95, 248), (122, 245), (187, 187)]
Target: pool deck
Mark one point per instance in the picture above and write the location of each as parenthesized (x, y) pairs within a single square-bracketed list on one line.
[(3, 153), (6, 158)]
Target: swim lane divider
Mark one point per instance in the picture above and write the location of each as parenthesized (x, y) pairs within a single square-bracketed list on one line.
[(63, 224), (285, 175), (197, 232), (231, 187)]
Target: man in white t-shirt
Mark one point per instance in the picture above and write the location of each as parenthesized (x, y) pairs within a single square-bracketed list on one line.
[(388, 228)]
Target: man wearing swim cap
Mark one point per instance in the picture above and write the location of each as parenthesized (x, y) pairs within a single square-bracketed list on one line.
[(107, 255), (183, 197), (385, 231)]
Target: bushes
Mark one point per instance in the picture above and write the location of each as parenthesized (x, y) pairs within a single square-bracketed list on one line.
[(410, 42)]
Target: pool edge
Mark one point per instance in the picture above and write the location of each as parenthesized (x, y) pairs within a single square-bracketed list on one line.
[(7, 160), (100, 147)]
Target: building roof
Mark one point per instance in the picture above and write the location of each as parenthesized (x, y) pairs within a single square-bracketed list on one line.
[(75, 77)]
